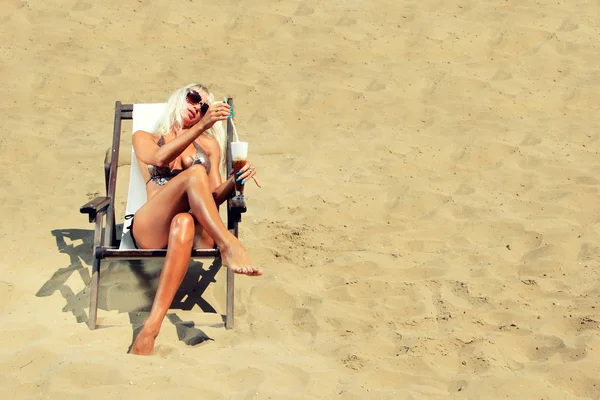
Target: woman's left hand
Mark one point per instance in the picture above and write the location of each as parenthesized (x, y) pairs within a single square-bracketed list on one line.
[(248, 171)]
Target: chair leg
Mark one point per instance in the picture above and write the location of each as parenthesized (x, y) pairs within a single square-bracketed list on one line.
[(95, 273), (94, 284), (229, 300)]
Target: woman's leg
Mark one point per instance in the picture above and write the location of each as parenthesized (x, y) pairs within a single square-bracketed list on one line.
[(189, 189), (181, 238), (202, 240)]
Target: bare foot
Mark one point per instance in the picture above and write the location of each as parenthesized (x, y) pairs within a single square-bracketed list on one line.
[(235, 257), (143, 344)]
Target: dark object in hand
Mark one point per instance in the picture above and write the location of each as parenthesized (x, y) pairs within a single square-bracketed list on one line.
[(203, 108)]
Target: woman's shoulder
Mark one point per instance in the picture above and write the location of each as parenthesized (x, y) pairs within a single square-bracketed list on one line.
[(147, 135), (143, 133)]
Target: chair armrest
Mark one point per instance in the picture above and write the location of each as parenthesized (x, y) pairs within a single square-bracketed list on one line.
[(94, 207)]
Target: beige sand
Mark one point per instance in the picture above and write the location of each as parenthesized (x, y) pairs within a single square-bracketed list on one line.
[(429, 221)]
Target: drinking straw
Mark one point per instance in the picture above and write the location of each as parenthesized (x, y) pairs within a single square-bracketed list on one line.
[(237, 139)]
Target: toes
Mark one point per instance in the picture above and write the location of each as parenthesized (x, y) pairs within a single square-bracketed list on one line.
[(247, 271)]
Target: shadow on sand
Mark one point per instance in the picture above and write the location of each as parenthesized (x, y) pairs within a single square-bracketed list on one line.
[(127, 286)]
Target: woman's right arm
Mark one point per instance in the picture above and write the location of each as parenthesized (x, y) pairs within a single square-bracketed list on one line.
[(150, 153)]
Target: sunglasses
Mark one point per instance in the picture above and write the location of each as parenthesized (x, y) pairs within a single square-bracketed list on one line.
[(194, 98)]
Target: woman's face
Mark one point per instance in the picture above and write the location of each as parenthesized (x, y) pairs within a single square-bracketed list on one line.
[(192, 114)]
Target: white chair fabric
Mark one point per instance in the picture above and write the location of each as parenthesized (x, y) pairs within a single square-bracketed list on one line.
[(145, 117)]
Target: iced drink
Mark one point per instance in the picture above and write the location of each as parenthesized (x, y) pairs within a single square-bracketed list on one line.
[(239, 155)]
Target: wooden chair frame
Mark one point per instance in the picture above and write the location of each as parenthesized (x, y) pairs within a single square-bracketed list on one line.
[(101, 210)]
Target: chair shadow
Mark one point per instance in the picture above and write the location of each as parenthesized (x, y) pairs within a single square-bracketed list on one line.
[(77, 244)]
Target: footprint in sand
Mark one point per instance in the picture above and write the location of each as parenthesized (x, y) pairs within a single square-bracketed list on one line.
[(464, 190), (568, 26), (304, 321), (111, 70), (540, 347), (531, 140), (475, 364), (496, 40), (375, 86), (82, 6), (501, 75), (580, 324), (346, 21), (162, 351), (574, 354), (354, 362), (588, 252), (304, 10)]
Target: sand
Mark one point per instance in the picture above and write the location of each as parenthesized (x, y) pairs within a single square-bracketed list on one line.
[(429, 222)]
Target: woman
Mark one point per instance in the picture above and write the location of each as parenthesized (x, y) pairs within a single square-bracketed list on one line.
[(182, 164)]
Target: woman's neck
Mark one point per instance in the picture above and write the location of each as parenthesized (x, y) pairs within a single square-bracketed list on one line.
[(175, 132)]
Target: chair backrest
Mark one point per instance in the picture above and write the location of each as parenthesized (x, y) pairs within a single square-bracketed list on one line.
[(145, 117)]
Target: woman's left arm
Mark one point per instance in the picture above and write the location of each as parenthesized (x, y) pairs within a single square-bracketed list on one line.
[(211, 147), (220, 190)]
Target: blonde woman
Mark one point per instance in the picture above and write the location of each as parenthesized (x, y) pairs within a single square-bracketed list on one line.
[(182, 163)]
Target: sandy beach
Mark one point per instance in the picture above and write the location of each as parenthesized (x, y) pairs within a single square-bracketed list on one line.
[(429, 221)]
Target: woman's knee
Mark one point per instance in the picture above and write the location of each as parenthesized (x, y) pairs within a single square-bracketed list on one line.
[(197, 174), (182, 227)]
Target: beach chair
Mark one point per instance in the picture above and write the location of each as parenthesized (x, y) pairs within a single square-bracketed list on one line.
[(101, 210)]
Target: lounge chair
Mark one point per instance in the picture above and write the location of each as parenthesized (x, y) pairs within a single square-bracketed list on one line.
[(101, 210)]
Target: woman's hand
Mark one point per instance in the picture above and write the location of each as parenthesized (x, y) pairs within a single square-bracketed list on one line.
[(216, 112), (248, 171)]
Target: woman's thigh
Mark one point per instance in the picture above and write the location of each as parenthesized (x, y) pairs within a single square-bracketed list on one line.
[(153, 219)]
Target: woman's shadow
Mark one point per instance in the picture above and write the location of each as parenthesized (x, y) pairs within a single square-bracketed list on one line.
[(127, 286)]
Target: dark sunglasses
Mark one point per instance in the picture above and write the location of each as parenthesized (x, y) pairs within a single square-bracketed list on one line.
[(194, 98)]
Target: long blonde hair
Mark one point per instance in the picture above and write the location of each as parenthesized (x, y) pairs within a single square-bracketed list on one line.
[(173, 119)]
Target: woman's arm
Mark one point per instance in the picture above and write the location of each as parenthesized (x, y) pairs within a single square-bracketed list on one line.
[(211, 147), (150, 153), (221, 191)]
